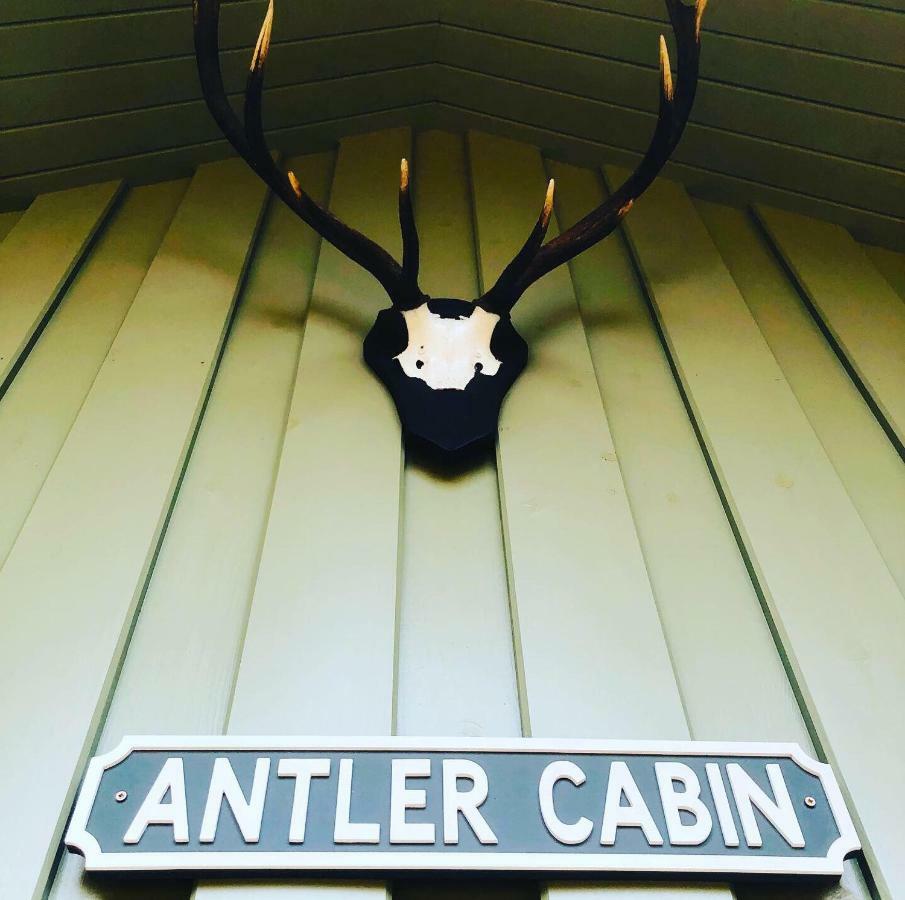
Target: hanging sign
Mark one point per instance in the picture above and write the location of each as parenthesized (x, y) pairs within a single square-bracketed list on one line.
[(390, 805)]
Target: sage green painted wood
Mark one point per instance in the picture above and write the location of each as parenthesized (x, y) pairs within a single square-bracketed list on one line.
[(106, 499), (708, 185), (179, 673), (585, 621), (41, 404), (72, 43), (866, 461), (756, 160), (95, 91), (336, 499), (326, 592), (890, 264), (774, 68), (699, 578), (831, 600), (855, 303), (786, 120), (8, 221), (38, 256), (719, 641), (181, 161), (590, 651), (456, 671), (834, 28), (89, 140)]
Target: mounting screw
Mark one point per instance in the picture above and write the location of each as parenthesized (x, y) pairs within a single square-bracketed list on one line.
[(810, 802), (120, 796)]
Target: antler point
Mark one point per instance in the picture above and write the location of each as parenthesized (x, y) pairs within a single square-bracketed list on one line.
[(666, 84)]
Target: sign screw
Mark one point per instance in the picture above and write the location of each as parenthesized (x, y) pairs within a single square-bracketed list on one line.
[(120, 796), (810, 802)]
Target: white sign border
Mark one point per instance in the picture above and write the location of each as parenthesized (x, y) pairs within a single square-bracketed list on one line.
[(79, 840)]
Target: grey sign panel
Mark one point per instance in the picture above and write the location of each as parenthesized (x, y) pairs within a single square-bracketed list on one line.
[(168, 804)]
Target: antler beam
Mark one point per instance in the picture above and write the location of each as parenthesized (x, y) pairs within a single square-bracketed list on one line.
[(676, 100), (400, 282)]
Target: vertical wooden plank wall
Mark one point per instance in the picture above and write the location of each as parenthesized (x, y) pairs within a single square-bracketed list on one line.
[(179, 674), (830, 597), (85, 548), (298, 570), (319, 650), (453, 678), (591, 654), (39, 254), (855, 304)]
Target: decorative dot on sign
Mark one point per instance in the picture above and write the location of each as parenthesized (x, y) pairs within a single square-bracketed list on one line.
[(419, 364), (478, 367)]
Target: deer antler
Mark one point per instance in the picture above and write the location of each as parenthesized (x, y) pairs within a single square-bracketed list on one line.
[(400, 282), (675, 105)]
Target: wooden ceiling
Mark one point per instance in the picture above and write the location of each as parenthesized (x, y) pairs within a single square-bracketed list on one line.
[(801, 104)]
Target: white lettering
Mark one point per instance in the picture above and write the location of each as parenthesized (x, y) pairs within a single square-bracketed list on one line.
[(779, 812), (225, 786), (688, 800), (465, 802), (153, 811), (403, 798), (566, 833), (344, 831), (723, 810), (635, 815), (302, 770)]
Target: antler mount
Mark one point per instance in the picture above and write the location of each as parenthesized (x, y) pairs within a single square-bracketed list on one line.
[(432, 350)]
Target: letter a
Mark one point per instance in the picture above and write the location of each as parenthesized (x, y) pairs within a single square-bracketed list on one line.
[(635, 815), (153, 811)]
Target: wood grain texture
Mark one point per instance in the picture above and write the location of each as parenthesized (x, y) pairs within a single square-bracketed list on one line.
[(697, 573), (840, 29), (772, 68), (718, 638), (179, 162), (718, 104), (326, 592), (8, 221), (106, 498), (590, 652), (179, 673), (867, 463), (388, 588), (93, 139), (757, 161), (805, 542), (73, 43), (705, 184), (60, 370), (890, 264), (579, 589), (98, 91), (112, 85), (37, 258), (855, 304), (456, 671)]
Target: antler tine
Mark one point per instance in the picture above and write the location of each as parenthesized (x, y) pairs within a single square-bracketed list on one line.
[(507, 281), (410, 248), (676, 100), (250, 143)]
